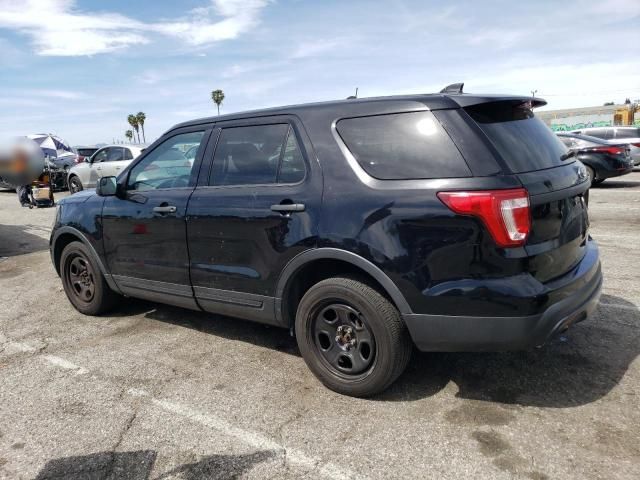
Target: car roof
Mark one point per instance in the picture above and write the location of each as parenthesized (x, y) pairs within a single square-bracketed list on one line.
[(125, 145), (432, 101), (579, 136), (611, 127)]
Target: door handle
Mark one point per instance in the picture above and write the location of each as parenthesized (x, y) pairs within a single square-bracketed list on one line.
[(165, 209), (288, 207)]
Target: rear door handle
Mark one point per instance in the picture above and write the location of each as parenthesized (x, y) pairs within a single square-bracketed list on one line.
[(167, 209), (288, 207)]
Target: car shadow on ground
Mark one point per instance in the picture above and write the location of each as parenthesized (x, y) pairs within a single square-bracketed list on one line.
[(18, 240), (577, 368), (612, 184), (138, 465)]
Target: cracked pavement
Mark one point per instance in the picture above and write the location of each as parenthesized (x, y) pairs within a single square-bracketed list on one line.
[(157, 392)]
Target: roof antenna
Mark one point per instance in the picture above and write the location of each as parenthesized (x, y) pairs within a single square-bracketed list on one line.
[(353, 97), (453, 88)]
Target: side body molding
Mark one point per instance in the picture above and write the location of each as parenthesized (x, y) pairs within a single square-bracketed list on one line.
[(336, 254), (82, 237)]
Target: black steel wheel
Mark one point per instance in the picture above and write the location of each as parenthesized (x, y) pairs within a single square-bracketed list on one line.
[(343, 339), (84, 284), (351, 337), (81, 277)]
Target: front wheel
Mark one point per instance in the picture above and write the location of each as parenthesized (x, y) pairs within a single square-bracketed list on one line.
[(351, 337), (83, 282), (75, 185)]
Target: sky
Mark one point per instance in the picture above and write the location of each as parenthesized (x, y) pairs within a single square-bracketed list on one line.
[(77, 68)]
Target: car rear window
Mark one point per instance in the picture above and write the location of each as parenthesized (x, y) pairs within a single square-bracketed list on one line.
[(402, 146), (523, 141)]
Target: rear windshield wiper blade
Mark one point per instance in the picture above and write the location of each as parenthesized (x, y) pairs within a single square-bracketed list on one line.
[(566, 156)]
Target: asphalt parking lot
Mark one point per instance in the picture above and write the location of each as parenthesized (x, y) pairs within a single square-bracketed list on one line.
[(157, 392)]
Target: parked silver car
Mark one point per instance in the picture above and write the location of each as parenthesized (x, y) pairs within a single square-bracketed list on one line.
[(106, 162), (618, 135)]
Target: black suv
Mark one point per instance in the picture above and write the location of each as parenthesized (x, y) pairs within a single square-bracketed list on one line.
[(450, 221)]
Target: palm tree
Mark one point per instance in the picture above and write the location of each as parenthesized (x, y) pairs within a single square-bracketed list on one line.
[(133, 121), (141, 118), (217, 96), (129, 135)]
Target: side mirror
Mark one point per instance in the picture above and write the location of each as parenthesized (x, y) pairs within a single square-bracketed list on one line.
[(107, 187)]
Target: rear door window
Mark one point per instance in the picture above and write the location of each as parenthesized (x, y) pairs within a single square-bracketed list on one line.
[(523, 141), (257, 155), (402, 146)]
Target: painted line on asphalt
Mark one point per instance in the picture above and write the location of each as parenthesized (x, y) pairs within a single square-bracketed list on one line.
[(254, 439), (64, 364)]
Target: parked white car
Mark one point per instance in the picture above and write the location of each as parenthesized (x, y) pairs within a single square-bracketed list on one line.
[(106, 162)]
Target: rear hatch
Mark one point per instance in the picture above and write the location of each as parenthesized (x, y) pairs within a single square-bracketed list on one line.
[(556, 183)]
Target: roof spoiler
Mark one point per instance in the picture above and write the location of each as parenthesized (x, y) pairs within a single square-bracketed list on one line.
[(453, 88)]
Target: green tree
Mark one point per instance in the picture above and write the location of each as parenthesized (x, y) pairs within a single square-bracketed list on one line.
[(129, 135), (217, 96), (141, 116), (133, 121)]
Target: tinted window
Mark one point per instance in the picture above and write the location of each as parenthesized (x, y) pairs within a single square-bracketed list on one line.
[(166, 166), (127, 154), (292, 167), (248, 155), (522, 140), (115, 154), (402, 146), (86, 152), (628, 133)]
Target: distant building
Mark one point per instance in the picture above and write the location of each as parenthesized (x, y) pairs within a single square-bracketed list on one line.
[(576, 118)]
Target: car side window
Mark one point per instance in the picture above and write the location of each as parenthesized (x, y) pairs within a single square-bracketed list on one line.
[(292, 166), (100, 156), (115, 154), (167, 165), (127, 154), (248, 155), (261, 154)]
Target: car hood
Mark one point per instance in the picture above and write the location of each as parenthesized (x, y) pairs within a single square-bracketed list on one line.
[(79, 197)]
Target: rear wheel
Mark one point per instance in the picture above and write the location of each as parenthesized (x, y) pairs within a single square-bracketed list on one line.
[(75, 185), (351, 337), (83, 282), (592, 175)]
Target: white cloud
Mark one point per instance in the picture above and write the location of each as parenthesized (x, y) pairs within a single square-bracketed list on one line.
[(198, 28), (59, 28)]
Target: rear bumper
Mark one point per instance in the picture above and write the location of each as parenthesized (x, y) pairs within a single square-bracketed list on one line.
[(468, 333)]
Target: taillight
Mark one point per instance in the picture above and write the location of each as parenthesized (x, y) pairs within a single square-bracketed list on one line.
[(609, 150), (505, 213), (79, 159), (636, 145)]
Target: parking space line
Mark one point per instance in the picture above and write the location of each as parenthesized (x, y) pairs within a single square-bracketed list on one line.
[(254, 439), (64, 364)]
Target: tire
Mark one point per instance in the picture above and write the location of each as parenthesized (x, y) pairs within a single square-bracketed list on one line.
[(598, 182), (368, 354), (84, 284), (75, 185), (592, 175)]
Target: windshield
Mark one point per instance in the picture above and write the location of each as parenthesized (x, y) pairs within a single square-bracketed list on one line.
[(523, 141)]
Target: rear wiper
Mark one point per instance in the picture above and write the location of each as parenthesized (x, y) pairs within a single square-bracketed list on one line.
[(569, 154)]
